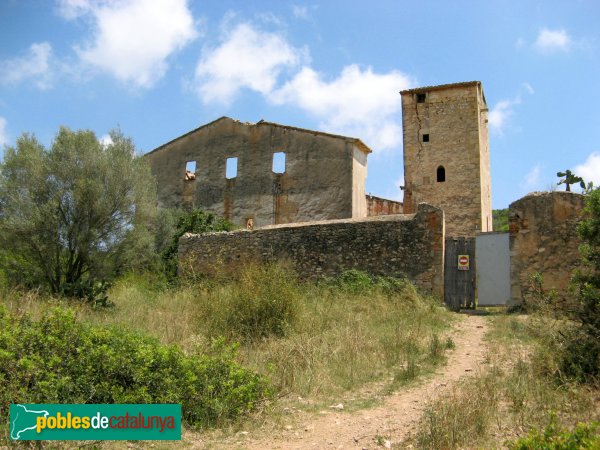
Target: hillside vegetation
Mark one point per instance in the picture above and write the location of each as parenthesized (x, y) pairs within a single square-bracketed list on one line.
[(222, 348)]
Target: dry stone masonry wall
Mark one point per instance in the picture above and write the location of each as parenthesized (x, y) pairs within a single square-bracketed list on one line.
[(543, 238), (407, 246)]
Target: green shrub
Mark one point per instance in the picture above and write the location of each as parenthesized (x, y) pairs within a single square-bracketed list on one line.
[(357, 282), (194, 221), (59, 360), (584, 435), (262, 302)]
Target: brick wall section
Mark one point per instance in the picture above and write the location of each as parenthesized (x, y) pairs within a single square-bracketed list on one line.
[(543, 238), (377, 206), (410, 246)]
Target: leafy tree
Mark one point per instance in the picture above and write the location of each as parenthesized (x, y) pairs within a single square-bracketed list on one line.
[(193, 221), (583, 344), (500, 218), (75, 215), (569, 179)]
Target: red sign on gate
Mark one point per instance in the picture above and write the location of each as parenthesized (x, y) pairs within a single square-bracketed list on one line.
[(463, 262)]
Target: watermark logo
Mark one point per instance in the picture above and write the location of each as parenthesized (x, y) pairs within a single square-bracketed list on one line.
[(95, 422)]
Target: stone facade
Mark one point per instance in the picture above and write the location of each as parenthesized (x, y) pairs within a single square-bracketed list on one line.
[(377, 206), (543, 238), (320, 176), (446, 154), (409, 246)]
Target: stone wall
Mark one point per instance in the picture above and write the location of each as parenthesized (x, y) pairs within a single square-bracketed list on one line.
[(410, 246), (323, 176), (446, 154), (377, 206), (543, 238)]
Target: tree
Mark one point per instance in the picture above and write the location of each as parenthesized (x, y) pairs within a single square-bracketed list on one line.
[(74, 216), (583, 344), (570, 178), (193, 221)]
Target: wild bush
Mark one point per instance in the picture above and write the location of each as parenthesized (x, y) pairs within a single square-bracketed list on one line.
[(193, 221), (357, 282), (554, 437), (263, 301), (582, 358), (60, 360)]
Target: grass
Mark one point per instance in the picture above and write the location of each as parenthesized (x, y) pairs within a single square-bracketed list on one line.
[(517, 393), (314, 340)]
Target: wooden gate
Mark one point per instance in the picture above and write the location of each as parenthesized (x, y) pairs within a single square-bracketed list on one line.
[(459, 273)]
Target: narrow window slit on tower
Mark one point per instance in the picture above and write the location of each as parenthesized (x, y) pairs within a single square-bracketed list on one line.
[(421, 97), (190, 170), (231, 168), (441, 174), (279, 162), (426, 137)]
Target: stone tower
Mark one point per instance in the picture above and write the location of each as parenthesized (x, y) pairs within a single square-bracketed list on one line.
[(447, 156)]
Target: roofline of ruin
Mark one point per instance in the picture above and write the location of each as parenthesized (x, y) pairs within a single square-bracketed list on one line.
[(360, 144)]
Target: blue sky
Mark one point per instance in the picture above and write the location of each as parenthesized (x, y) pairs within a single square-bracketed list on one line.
[(160, 68)]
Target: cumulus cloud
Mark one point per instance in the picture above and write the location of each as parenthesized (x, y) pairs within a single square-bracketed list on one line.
[(300, 12), (246, 58), (590, 169), (106, 140), (549, 41), (500, 113), (499, 116), (532, 179), (71, 9), (34, 66), (3, 137), (359, 102), (132, 39)]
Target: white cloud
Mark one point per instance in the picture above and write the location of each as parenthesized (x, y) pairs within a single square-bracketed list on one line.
[(106, 140), (247, 58), (590, 169), (132, 39), (549, 41), (532, 179), (300, 12), (71, 9), (3, 137), (35, 65), (358, 103), (499, 116), (528, 88)]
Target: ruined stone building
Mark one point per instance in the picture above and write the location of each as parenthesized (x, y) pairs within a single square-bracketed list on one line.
[(258, 174), (447, 156), (298, 196), (263, 173)]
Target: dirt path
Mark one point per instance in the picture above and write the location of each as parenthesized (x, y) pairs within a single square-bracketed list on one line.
[(399, 414)]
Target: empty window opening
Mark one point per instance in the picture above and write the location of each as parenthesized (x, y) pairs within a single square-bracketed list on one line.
[(441, 174), (421, 97), (231, 168), (426, 138), (190, 170), (279, 162)]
